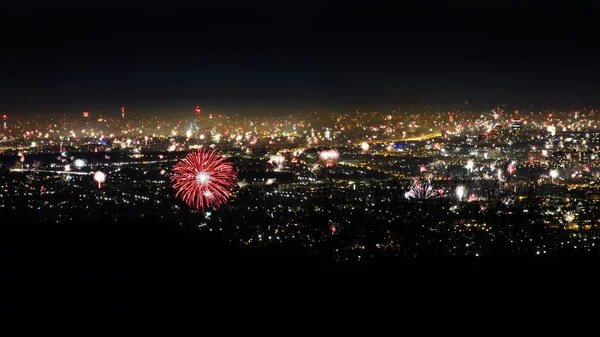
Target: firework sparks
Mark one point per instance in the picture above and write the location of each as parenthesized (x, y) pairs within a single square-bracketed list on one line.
[(511, 168), (204, 179), (470, 165), (100, 178), (79, 163), (277, 161), (460, 192), (314, 169), (553, 175), (569, 217), (329, 156), (420, 190)]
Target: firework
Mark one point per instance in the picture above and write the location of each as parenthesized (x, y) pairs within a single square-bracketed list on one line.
[(277, 161), (460, 192), (421, 191), (204, 179), (100, 178), (497, 113), (314, 169), (79, 163), (329, 156), (553, 175), (365, 146), (511, 168), (470, 165), (569, 217)]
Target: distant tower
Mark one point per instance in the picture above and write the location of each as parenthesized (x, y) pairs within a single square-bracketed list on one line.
[(123, 112), (4, 119), (197, 118)]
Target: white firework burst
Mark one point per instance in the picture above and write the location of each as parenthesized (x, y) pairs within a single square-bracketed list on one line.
[(421, 191), (277, 161)]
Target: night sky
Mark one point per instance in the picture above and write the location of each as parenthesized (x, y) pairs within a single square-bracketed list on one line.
[(264, 58)]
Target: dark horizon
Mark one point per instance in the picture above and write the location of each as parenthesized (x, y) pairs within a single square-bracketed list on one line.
[(267, 58)]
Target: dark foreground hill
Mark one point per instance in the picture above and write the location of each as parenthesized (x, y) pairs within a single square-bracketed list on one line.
[(150, 250)]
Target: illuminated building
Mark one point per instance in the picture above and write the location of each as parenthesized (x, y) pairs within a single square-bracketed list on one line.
[(516, 126), (197, 118)]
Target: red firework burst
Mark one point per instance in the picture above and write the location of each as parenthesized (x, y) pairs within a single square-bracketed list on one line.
[(204, 179)]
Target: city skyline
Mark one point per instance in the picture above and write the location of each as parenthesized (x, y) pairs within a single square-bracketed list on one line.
[(358, 187), (158, 143)]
